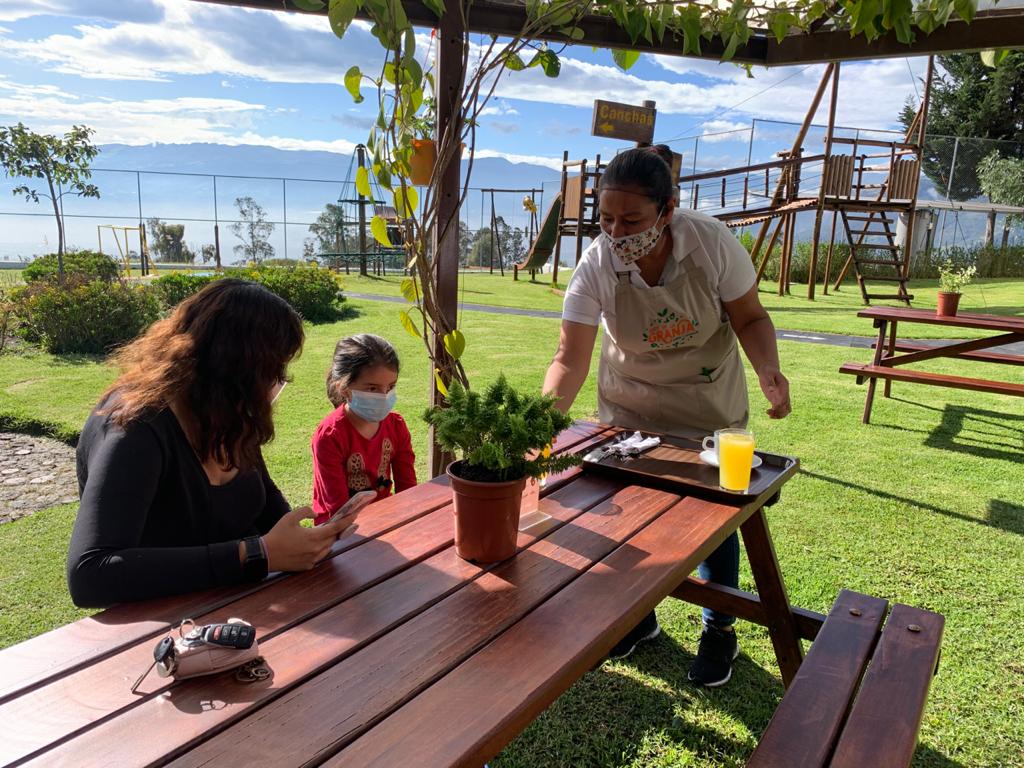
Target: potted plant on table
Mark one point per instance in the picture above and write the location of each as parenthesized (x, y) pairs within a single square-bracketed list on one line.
[(501, 435), (951, 280)]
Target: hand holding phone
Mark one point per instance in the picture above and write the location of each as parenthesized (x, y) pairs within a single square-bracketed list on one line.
[(348, 511)]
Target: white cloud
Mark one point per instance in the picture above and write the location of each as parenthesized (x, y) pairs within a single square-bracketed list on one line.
[(555, 163), (166, 121), (722, 130), (196, 39), (115, 10)]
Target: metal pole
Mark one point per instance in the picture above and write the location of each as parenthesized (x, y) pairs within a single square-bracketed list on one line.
[(216, 227), (284, 203), (952, 168), (693, 170), (142, 256)]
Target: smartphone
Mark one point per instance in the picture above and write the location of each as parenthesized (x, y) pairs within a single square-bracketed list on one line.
[(350, 509)]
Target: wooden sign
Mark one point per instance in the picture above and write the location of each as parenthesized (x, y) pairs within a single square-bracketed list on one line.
[(623, 121)]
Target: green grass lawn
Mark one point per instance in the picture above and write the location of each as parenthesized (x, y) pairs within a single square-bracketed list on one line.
[(834, 313), (922, 506)]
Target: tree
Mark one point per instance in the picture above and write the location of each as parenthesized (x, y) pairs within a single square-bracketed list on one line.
[(1002, 179), (62, 162), (252, 229), (328, 231), (165, 240), (971, 99)]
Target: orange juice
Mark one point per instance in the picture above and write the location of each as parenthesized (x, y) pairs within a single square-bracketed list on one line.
[(735, 456)]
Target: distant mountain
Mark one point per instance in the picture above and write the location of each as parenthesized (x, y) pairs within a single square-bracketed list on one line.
[(175, 182)]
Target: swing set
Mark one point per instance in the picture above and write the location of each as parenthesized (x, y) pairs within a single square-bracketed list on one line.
[(145, 263)]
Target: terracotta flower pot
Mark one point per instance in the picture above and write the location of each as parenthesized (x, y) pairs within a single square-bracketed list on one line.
[(424, 155), (947, 304), (486, 517)]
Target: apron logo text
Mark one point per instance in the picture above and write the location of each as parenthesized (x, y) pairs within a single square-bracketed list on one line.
[(669, 330)]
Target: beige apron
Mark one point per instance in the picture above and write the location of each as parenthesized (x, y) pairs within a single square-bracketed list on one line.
[(673, 365)]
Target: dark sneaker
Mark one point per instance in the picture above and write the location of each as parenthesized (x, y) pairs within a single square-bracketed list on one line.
[(647, 629), (715, 654)]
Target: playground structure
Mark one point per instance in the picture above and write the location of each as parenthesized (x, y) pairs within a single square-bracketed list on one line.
[(866, 185), (529, 206), (145, 263), (353, 243)]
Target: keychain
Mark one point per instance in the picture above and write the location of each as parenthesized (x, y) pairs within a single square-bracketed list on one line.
[(207, 650)]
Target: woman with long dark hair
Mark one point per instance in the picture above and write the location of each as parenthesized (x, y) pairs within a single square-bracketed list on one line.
[(175, 495)]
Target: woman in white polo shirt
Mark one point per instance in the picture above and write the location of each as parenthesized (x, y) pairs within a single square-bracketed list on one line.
[(674, 291)]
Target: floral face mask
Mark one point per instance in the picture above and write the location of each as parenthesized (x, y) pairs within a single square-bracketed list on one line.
[(629, 248)]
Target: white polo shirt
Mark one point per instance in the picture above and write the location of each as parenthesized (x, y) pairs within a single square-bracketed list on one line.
[(590, 296)]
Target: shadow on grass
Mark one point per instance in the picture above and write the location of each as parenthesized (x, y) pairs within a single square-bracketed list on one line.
[(986, 434), (1002, 515), (605, 719)]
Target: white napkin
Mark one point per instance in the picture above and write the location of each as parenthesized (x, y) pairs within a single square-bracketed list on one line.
[(633, 445)]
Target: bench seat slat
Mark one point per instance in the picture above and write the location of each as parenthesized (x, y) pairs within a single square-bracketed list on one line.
[(935, 379), (883, 724), (804, 728)]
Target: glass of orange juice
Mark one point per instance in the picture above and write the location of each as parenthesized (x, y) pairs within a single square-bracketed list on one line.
[(735, 458)]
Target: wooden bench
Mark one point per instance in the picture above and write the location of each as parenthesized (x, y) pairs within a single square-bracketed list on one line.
[(835, 714), (865, 371)]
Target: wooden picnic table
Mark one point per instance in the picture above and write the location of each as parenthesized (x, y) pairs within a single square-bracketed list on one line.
[(885, 365), (394, 651)]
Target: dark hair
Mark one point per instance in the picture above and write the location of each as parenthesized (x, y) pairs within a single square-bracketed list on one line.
[(352, 356), (219, 353), (664, 151), (643, 170)]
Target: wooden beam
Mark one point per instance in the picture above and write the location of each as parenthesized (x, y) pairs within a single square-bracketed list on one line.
[(997, 28), (813, 266), (451, 39)]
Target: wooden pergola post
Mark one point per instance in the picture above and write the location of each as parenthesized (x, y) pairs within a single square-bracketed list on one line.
[(813, 267), (451, 39)]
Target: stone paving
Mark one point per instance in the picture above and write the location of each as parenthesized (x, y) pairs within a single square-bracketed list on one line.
[(35, 473)]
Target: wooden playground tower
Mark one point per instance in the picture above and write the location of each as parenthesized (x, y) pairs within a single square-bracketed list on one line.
[(866, 184)]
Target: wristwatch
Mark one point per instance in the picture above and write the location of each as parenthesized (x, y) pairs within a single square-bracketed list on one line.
[(255, 566)]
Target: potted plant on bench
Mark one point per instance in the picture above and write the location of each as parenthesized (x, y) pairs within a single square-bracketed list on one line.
[(500, 435), (951, 280)]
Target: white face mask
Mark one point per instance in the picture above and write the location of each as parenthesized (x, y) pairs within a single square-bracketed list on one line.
[(629, 248)]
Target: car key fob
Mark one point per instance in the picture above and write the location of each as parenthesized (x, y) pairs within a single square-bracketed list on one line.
[(231, 635)]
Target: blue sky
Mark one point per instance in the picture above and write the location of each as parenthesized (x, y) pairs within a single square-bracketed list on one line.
[(178, 71)]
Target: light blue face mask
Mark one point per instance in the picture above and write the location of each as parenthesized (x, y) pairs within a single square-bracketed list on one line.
[(372, 406)]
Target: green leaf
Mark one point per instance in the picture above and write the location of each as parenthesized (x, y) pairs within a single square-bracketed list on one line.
[(437, 6), (409, 324), (573, 33), (455, 343), (340, 13), (513, 62), (549, 62), (363, 182), (966, 9), (408, 288), (353, 78), (440, 383), (690, 19), (379, 228), (625, 59), (779, 23), (383, 175), (993, 58), (309, 5)]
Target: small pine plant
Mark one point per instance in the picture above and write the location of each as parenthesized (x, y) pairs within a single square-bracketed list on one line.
[(500, 433)]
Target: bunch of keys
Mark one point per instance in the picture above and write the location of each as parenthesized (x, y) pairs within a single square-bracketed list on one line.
[(207, 650)]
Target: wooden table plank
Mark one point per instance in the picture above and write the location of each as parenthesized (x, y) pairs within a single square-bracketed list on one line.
[(983, 322), (470, 714), (56, 653), (73, 646), (185, 713), (351, 696)]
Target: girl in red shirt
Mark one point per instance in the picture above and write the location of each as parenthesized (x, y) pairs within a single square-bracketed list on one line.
[(362, 444)]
